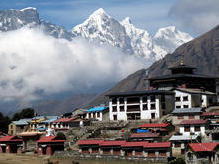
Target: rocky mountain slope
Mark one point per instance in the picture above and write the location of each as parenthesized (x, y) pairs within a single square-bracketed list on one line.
[(202, 52)]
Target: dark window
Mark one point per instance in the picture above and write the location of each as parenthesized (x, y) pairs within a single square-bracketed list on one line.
[(177, 145), (145, 107), (185, 98), (133, 100), (89, 115), (152, 106), (98, 114), (162, 98), (144, 99), (197, 129), (132, 108), (121, 100), (178, 106), (182, 151), (115, 117), (114, 100), (163, 105), (114, 108), (185, 106), (152, 98), (152, 115), (187, 129), (122, 108), (177, 99)]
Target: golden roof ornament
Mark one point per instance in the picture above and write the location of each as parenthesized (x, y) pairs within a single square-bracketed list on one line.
[(181, 62)]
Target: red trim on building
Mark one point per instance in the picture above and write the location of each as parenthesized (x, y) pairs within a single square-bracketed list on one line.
[(193, 122), (155, 125), (65, 120), (200, 147), (158, 145), (49, 139), (10, 139), (112, 143), (90, 142), (144, 135), (210, 114), (135, 144)]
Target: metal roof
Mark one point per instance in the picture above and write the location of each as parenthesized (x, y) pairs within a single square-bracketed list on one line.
[(187, 110), (194, 91), (146, 92), (183, 137), (97, 109)]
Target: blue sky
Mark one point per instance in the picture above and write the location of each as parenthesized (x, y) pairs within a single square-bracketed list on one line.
[(195, 18), (146, 14)]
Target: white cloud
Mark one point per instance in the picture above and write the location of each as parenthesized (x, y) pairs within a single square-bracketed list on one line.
[(197, 17), (33, 63)]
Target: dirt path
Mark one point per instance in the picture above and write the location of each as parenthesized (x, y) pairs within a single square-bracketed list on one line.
[(20, 159)]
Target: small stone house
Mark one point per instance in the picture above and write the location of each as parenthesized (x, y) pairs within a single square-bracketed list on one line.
[(180, 114)]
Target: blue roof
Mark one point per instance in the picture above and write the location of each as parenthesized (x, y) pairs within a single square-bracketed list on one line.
[(97, 109)]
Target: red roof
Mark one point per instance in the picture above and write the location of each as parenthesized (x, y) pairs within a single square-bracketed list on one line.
[(155, 125), (135, 144), (198, 147), (112, 143), (65, 119), (193, 122), (157, 145), (10, 138), (144, 135), (210, 114), (90, 142), (49, 139)]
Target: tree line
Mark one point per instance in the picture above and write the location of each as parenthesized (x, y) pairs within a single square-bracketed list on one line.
[(5, 120)]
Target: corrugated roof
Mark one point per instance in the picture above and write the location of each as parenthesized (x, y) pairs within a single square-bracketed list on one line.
[(193, 122), (144, 135), (183, 137), (186, 110), (135, 144), (10, 139), (20, 122), (194, 91), (146, 92), (202, 147), (154, 125), (90, 142), (210, 114), (158, 145), (65, 119), (97, 109), (112, 143)]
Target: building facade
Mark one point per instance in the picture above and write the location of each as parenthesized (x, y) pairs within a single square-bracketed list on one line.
[(140, 105)]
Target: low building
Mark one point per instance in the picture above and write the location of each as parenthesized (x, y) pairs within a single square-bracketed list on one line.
[(47, 145), (203, 153), (180, 114), (11, 144), (111, 147), (190, 127), (98, 113), (143, 149), (140, 105), (190, 98), (47, 123), (67, 123), (19, 126), (148, 136), (161, 128), (89, 146), (213, 118), (180, 143)]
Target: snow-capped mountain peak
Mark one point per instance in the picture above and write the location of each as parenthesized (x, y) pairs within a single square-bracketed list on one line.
[(29, 8), (167, 39), (127, 20)]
